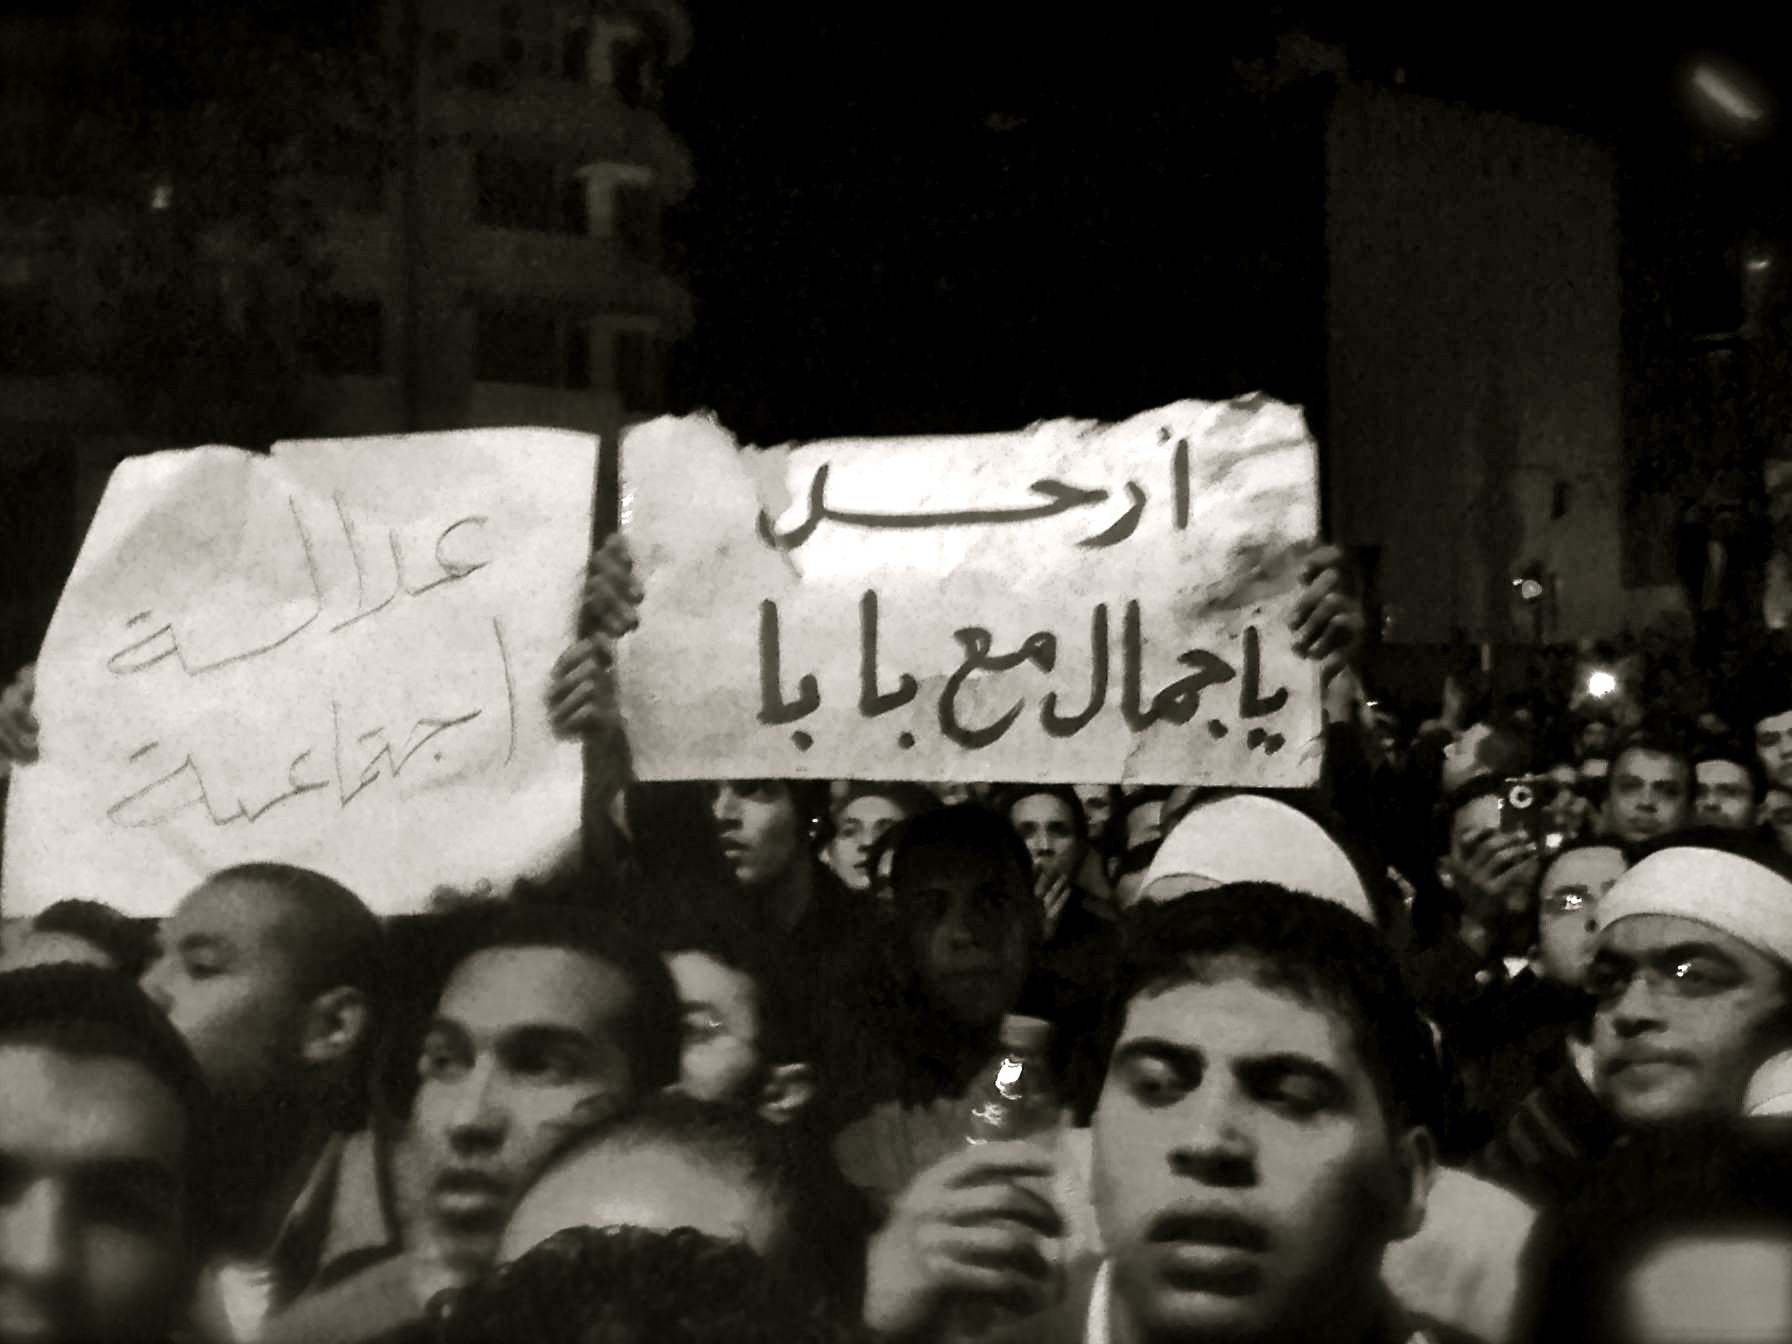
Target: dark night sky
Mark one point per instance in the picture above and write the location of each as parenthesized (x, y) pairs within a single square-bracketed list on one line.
[(961, 217)]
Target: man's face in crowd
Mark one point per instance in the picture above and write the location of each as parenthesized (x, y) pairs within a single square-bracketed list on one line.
[(525, 1046), (1047, 827), (757, 824), (1776, 811), (652, 1185), (230, 985), (1723, 795), (93, 1202), (858, 827), (1682, 1020), (1773, 744), (1246, 1178), (1649, 796), (1567, 910), (970, 917), (1098, 806), (1513, 890), (1595, 739), (720, 1058)]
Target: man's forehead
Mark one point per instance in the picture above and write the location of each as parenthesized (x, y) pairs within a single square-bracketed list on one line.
[(86, 1107), (241, 910), (1775, 723), (1649, 761), (1720, 772), (1229, 1007), (504, 988)]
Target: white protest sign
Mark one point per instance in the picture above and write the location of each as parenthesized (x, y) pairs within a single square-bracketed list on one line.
[(335, 656), (1073, 602)]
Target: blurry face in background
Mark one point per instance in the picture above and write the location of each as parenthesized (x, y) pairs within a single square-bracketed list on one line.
[(1596, 739), (719, 1060), (857, 827), (1098, 807), (1566, 809), (1567, 906), (526, 1046), (1649, 796), (971, 920), (93, 1201), (1683, 1018), (759, 830), (230, 986), (1773, 744), (1047, 827), (1776, 811), (1143, 822), (1723, 795)]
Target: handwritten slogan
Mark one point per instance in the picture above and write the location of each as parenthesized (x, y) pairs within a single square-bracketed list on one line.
[(1072, 602), (335, 656)]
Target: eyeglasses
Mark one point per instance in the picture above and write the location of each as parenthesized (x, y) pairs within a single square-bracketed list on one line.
[(1569, 903), (1676, 973)]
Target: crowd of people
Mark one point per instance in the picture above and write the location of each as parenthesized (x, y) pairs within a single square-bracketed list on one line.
[(1488, 1036)]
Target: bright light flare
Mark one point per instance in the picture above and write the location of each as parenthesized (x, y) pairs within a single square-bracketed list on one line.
[(1721, 90), (1601, 684)]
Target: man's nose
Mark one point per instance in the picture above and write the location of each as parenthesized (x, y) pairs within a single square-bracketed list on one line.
[(1637, 1009), (477, 1120), (37, 1249), (155, 984), (1213, 1143)]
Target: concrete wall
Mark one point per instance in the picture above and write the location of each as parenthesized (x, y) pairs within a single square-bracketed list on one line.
[(1473, 367)]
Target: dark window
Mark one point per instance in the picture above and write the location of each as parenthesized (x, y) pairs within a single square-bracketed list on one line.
[(515, 347), (634, 70), (638, 220), (638, 372), (575, 205), (348, 337), (26, 349), (578, 356), (515, 193), (575, 54), (349, 170)]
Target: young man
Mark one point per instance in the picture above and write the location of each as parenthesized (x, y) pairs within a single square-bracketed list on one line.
[(104, 1133), (275, 977), (1650, 790), (1729, 787), (1688, 981), (861, 817), (1081, 939), (552, 1020), (1258, 1144)]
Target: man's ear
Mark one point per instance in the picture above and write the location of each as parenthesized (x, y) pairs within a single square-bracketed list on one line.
[(787, 1093), (336, 1025), (1415, 1155)]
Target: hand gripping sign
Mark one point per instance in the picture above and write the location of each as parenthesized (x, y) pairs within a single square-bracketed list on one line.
[(334, 656), (1072, 602)]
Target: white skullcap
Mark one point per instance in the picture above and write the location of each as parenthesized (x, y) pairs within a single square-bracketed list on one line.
[(1249, 838), (1733, 894), (1770, 1089)]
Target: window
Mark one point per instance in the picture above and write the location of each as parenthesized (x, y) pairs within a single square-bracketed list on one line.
[(348, 169), (519, 347), (638, 219), (515, 193), (578, 356), (26, 349), (634, 70), (639, 357), (575, 54), (348, 337)]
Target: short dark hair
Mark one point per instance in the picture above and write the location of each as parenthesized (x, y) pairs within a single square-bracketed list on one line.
[(632, 1284), (90, 1011), (652, 1028), (1735, 753), (129, 944), (339, 942), (970, 825), (1311, 947), (1014, 793), (825, 1223), (1661, 739)]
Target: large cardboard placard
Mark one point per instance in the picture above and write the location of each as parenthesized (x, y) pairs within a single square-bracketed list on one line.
[(1073, 602), (334, 656)]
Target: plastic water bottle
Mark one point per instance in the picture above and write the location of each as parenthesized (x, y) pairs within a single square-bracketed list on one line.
[(1014, 1097)]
